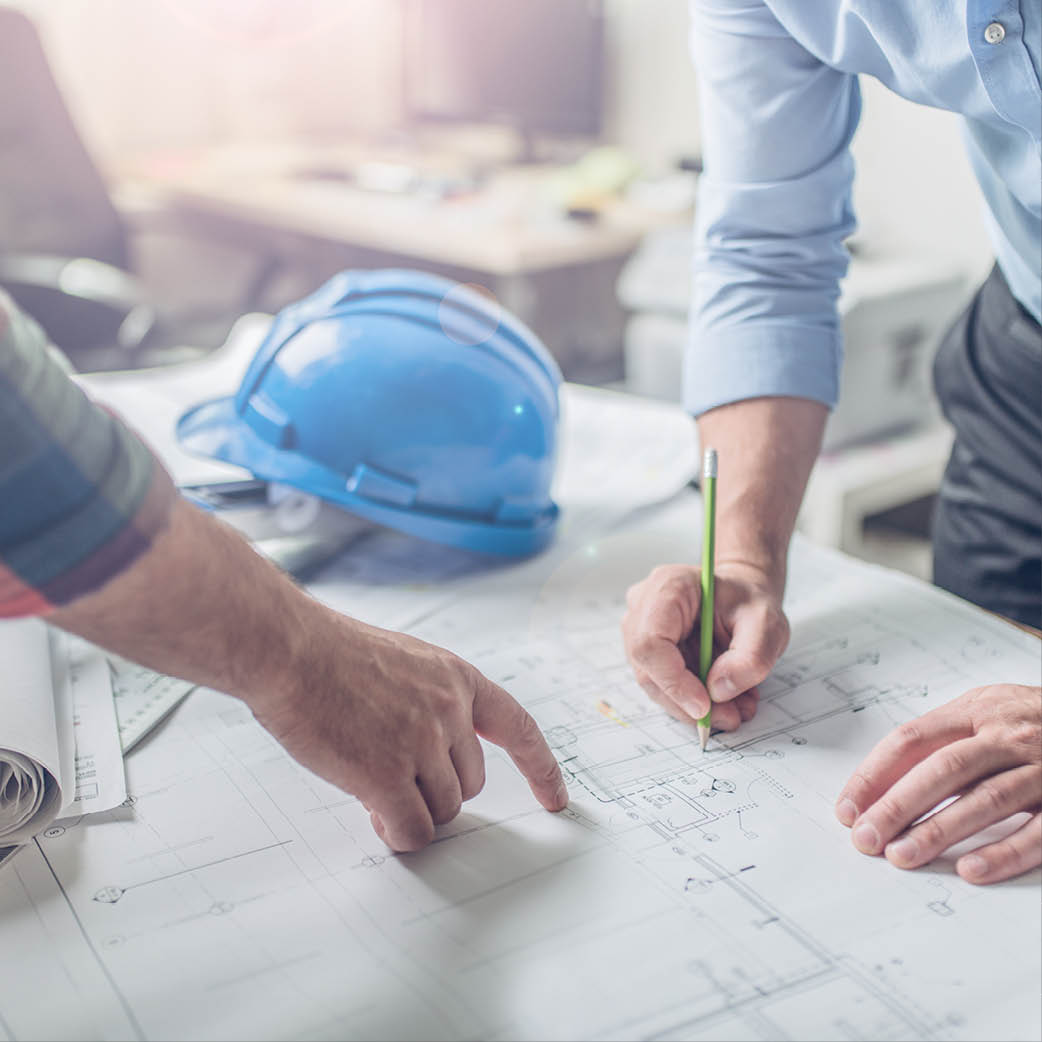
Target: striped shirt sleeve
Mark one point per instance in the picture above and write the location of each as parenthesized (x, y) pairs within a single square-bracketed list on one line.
[(81, 497)]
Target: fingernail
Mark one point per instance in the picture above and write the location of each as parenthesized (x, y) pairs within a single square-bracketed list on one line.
[(723, 690), (561, 796), (866, 839), (904, 851), (973, 865), (846, 811)]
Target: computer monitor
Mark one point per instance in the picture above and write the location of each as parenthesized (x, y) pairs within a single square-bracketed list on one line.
[(536, 65)]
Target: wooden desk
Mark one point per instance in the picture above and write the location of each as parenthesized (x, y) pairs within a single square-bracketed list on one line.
[(509, 235), (508, 226)]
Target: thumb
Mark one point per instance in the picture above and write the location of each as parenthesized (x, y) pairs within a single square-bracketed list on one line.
[(759, 634)]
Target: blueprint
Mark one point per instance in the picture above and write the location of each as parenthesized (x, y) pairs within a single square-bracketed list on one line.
[(680, 895)]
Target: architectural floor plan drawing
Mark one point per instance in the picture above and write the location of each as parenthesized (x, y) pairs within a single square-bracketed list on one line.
[(680, 896)]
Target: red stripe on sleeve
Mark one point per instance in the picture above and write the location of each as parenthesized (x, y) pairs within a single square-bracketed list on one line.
[(16, 598)]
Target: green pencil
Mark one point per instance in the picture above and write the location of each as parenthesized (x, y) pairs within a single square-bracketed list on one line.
[(708, 584)]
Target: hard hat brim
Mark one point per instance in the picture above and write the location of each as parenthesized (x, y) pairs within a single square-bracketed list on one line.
[(215, 429)]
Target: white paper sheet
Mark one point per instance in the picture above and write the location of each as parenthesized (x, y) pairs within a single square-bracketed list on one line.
[(679, 896), (620, 453), (83, 696)]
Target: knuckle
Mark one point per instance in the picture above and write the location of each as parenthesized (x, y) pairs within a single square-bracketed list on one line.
[(443, 700), (475, 783), (951, 762), (778, 630), (760, 662), (661, 573), (642, 647), (993, 796), (890, 811), (411, 718), (908, 735), (674, 582), (528, 732), (417, 834), (1027, 736), (931, 836), (551, 774), (450, 810), (1034, 787), (1003, 855)]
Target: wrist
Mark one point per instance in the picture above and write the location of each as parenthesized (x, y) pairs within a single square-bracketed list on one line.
[(295, 656), (755, 566), (751, 544)]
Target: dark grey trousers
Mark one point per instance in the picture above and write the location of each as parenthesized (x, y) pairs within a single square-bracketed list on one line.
[(988, 527)]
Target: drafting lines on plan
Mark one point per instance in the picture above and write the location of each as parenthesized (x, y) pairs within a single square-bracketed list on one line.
[(857, 666), (271, 911), (679, 896)]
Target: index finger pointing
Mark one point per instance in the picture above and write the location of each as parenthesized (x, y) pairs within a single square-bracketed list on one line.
[(500, 719)]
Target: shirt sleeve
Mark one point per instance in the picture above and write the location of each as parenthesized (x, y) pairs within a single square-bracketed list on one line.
[(81, 497), (773, 210)]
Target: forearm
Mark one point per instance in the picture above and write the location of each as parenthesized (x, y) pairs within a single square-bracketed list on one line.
[(767, 447), (387, 718), (203, 605)]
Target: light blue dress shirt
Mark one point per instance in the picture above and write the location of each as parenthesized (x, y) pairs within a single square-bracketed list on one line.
[(780, 104)]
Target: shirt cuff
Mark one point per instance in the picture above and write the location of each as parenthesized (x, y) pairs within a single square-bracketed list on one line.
[(728, 365), (83, 572)]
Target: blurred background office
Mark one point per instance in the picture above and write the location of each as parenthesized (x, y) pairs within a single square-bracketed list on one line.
[(167, 165)]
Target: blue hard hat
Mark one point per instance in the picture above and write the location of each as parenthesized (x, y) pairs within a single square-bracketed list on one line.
[(407, 399)]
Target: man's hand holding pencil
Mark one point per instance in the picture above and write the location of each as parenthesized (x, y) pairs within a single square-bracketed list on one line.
[(661, 635)]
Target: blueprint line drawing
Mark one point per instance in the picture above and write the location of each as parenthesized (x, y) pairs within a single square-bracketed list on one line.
[(679, 896)]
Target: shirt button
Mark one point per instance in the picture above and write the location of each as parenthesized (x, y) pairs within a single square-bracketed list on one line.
[(995, 33)]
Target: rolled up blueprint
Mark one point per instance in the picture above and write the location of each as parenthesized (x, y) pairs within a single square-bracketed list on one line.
[(30, 797), (30, 775)]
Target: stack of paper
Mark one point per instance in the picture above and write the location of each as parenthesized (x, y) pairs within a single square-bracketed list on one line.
[(59, 743)]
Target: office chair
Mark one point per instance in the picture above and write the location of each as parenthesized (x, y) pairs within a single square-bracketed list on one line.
[(65, 251)]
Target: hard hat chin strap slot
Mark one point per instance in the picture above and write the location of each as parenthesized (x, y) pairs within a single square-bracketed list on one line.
[(372, 483)]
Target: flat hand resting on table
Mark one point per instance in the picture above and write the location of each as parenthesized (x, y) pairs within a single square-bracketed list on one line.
[(984, 747)]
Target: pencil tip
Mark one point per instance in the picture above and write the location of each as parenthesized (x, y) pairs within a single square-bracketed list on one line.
[(703, 736)]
